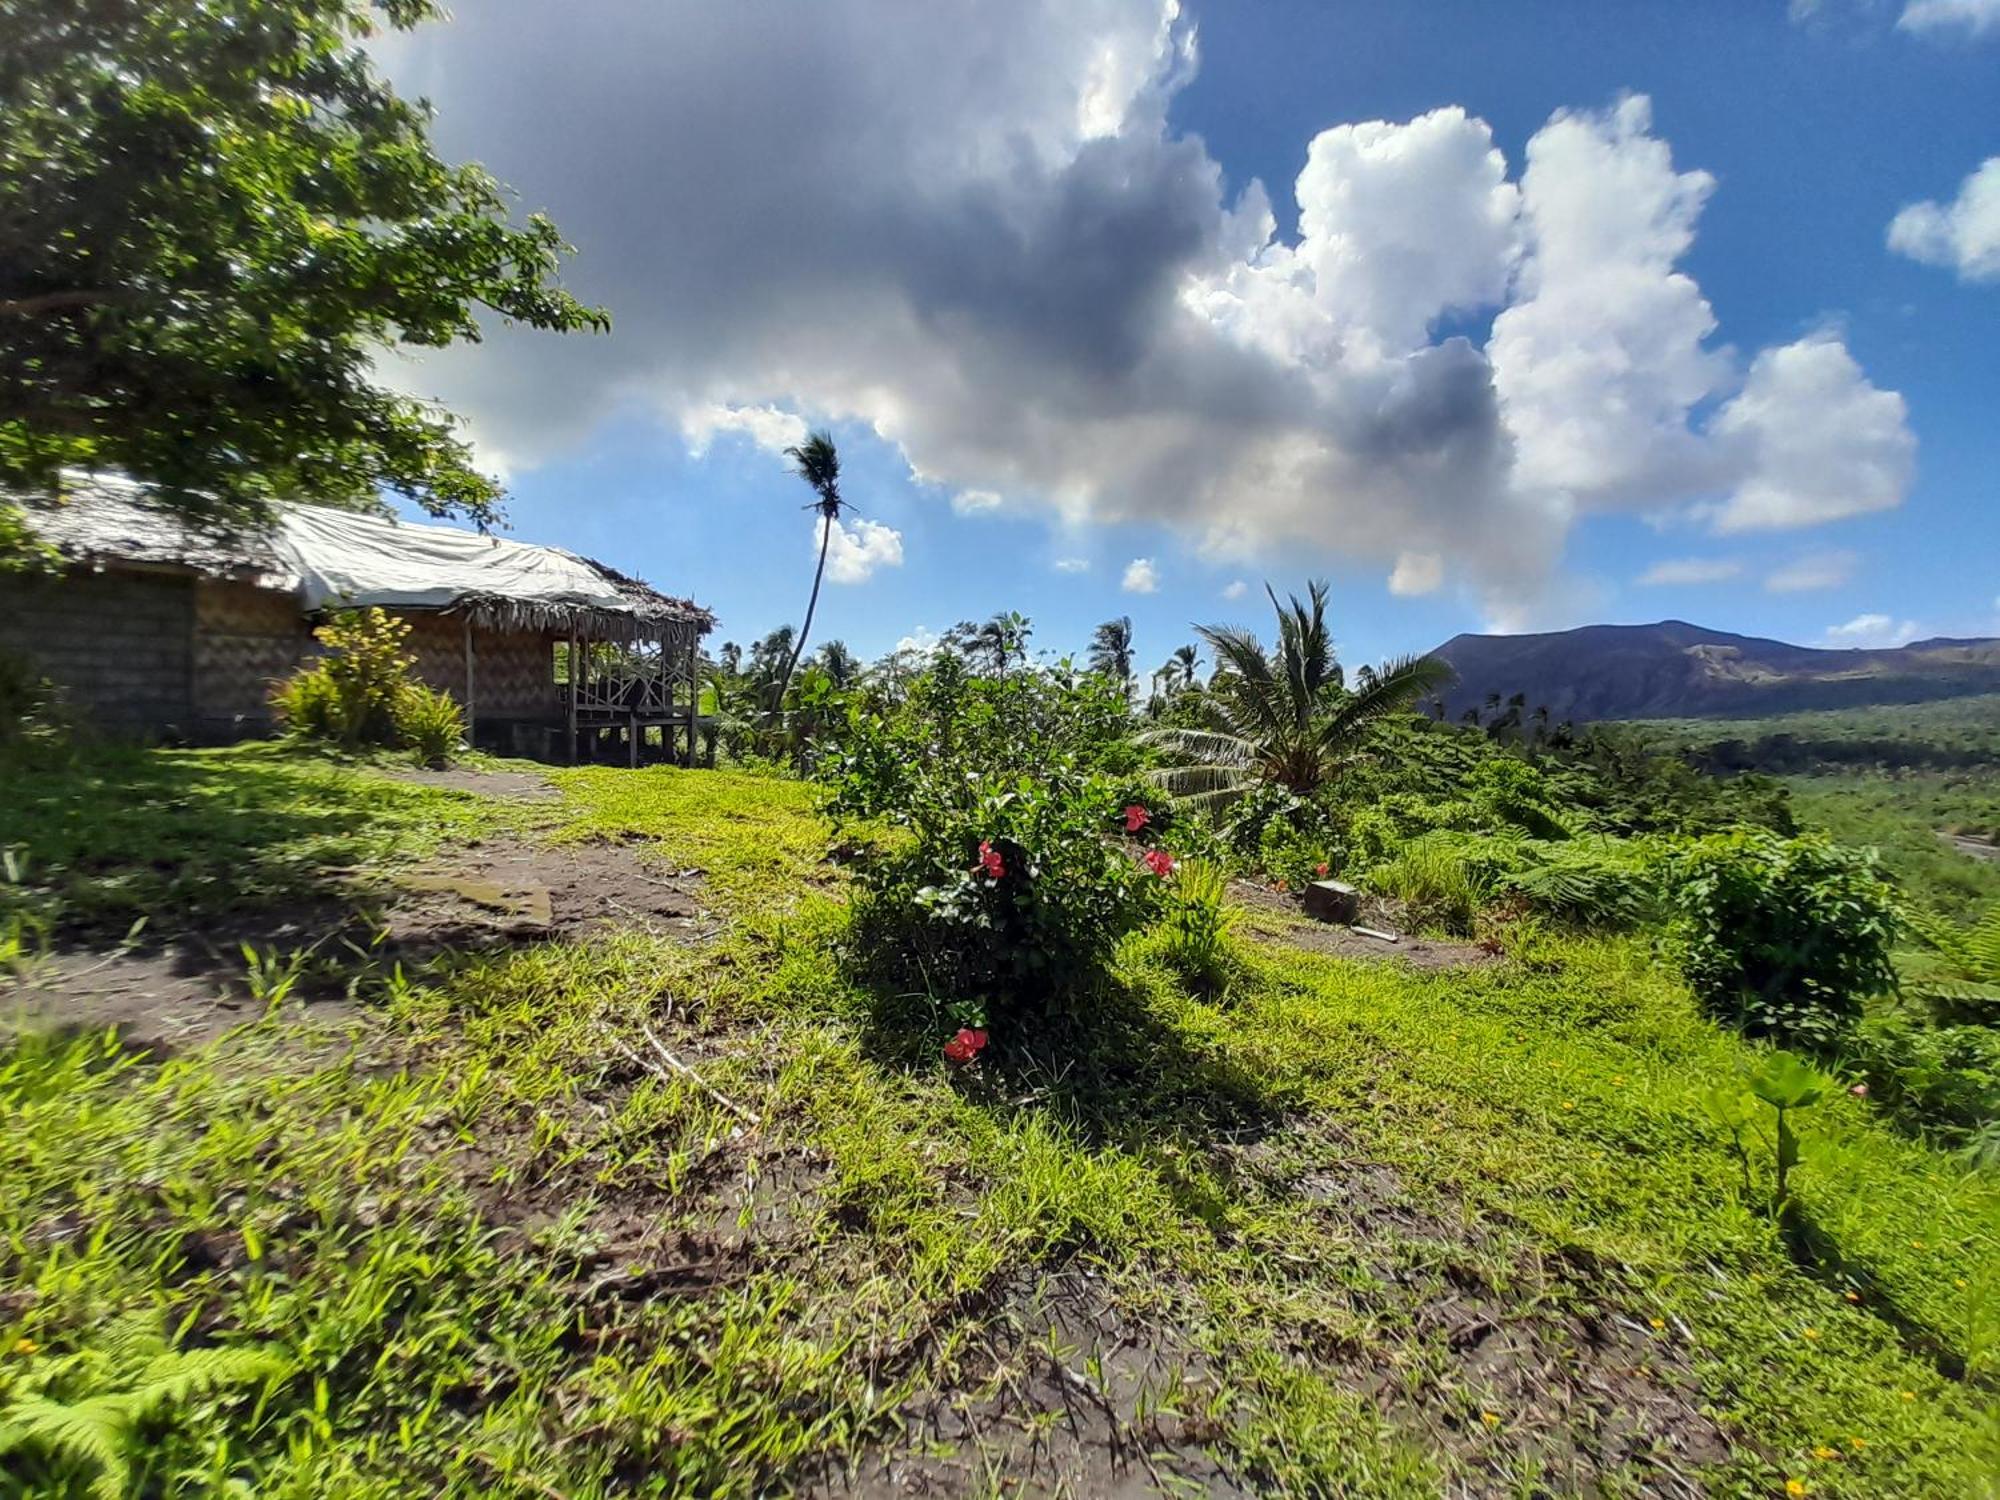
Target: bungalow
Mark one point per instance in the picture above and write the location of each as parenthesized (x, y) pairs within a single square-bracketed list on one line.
[(155, 629)]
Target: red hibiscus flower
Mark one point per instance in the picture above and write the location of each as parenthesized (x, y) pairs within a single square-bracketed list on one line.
[(1159, 862), (967, 1045), (1136, 817), (1320, 869), (991, 862)]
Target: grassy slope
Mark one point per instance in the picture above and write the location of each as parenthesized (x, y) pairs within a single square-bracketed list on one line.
[(1534, 1126)]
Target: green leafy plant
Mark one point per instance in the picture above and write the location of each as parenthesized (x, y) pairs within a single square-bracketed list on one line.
[(361, 692), (1781, 937), (1786, 1084), (1970, 993), (428, 723), (1195, 927), (1434, 880), (1284, 716), (95, 1413)]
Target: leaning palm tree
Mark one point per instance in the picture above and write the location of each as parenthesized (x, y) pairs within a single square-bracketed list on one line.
[(1283, 716), (818, 464), (1111, 651)]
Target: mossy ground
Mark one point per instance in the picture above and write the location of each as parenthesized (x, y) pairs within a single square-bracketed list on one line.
[(1378, 1231)]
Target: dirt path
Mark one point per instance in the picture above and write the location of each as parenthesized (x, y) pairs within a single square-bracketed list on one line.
[(185, 990), (1975, 845), (1277, 917)]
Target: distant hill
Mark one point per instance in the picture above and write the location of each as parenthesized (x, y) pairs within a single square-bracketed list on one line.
[(1678, 670)]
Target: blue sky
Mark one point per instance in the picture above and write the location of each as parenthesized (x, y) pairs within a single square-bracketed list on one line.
[(1025, 259)]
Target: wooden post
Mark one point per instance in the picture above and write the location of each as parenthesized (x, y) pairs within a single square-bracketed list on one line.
[(574, 667), (471, 710)]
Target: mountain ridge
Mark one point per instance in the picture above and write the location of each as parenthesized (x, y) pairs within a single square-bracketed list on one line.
[(1677, 669)]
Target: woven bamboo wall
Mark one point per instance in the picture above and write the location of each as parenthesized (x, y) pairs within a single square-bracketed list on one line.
[(246, 639), (513, 671)]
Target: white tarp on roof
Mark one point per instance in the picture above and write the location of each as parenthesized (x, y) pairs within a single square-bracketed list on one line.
[(336, 557)]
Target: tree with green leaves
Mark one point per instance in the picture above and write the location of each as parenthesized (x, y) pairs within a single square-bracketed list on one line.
[(1283, 716), (214, 217), (1111, 651), (817, 462)]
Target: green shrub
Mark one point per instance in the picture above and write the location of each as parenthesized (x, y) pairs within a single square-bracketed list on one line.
[(1592, 882), (349, 695), (1195, 929), (1011, 889), (361, 692), (1781, 937), (1945, 1078), (428, 723)]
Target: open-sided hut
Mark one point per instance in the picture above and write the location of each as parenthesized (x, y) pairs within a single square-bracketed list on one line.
[(156, 629)]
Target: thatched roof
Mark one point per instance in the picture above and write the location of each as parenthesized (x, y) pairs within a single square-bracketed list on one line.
[(331, 558)]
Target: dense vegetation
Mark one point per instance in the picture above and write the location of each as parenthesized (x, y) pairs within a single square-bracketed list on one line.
[(998, 1064)]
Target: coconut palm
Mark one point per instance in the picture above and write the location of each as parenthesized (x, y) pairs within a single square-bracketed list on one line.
[(1284, 716), (839, 663), (818, 464), (1111, 651), (1185, 661)]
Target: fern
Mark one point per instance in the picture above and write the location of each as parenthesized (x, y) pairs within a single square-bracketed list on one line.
[(101, 1432)]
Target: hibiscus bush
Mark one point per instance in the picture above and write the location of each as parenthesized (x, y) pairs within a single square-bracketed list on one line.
[(1016, 859)]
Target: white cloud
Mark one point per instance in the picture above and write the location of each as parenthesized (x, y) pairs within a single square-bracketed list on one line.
[(988, 244), (1962, 235), (1072, 565), (1872, 632), (1812, 440), (975, 502), (1826, 569), (1416, 573), (1236, 588), (853, 553), (1140, 577), (768, 427), (1973, 17), (1689, 570), (919, 642)]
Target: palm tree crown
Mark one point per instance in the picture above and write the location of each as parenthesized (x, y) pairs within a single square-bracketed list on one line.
[(1286, 715), (1111, 650), (818, 464)]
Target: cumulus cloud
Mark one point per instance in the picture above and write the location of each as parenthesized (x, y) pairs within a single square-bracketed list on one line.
[(975, 502), (1072, 565), (1872, 632), (1416, 573), (1813, 441), (853, 553), (1943, 17), (1689, 570), (766, 426), (987, 243), (1140, 577), (1827, 569), (1962, 235), (1236, 588)]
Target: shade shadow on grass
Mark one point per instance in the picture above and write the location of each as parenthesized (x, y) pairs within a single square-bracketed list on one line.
[(1816, 1252)]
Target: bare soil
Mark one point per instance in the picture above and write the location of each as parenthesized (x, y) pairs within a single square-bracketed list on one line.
[(1973, 844), (187, 990), (521, 785), (1538, 1375), (1279, 917), (1063, 1394)]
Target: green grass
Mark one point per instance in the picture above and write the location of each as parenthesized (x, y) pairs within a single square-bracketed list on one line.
[(1306, 1190)]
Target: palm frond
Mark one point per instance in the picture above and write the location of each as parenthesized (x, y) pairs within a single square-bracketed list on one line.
[(1396, 688), (1200, 781), (1205, 746)]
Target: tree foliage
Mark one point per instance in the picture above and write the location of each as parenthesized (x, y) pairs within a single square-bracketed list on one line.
[(214, 216), (1284, 716)]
